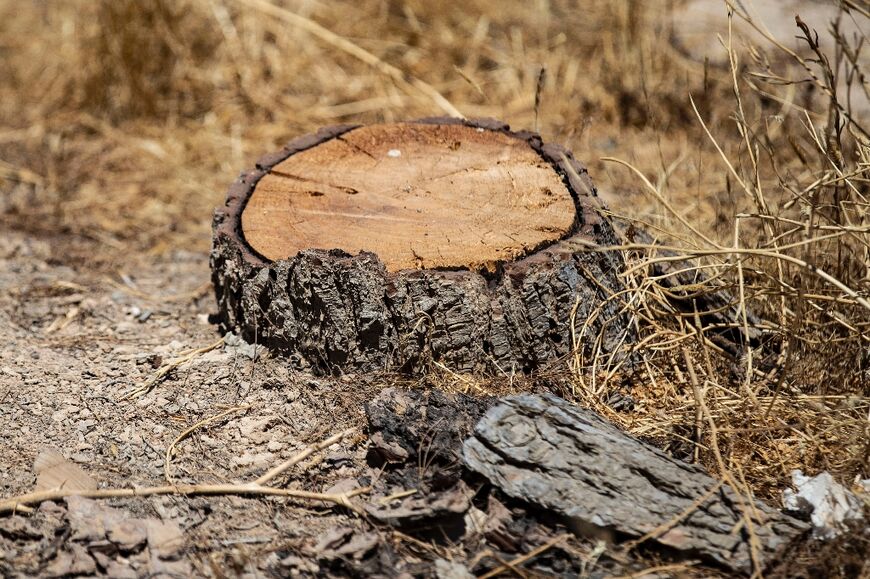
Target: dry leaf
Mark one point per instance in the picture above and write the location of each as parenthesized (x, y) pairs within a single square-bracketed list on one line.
[(53, 471)]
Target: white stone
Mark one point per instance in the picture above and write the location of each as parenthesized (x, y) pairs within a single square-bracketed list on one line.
[(830, 505)]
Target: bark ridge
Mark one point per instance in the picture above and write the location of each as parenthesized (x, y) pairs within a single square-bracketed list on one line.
[(550, 453)]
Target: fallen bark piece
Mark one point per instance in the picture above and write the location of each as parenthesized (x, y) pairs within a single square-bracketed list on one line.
[(344, 542), (552, 454), (444, 508), (398, 245), (404, 423), (415, 444)]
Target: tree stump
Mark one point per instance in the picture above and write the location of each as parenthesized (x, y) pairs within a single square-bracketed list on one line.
[(397, 245)]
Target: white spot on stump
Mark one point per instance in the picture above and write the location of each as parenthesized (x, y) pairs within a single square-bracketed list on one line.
[(394, 153)]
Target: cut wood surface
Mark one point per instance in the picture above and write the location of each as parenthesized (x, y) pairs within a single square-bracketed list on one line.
[(416, 195), (395, 246), (553, 454)]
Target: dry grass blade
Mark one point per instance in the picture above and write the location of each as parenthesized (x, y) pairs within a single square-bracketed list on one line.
[(168, 367), (404, 80), (171, 448)]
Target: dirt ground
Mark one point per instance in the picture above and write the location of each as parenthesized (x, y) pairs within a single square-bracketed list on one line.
[(62, 386)]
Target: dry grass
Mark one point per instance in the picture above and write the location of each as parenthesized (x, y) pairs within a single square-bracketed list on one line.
[(795, 172), (122, 122), (145, 110)]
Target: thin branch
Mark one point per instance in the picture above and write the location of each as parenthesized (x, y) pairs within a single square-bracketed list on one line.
[(220, 489), (302, 456)]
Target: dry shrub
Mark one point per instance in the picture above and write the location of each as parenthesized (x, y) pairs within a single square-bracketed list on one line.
[(146, 58), (792, 245)]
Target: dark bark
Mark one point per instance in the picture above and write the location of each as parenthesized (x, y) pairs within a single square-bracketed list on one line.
[(568, 460), (331, 311)]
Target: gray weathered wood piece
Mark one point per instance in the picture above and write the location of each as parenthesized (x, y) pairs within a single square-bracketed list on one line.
[(550, 453)]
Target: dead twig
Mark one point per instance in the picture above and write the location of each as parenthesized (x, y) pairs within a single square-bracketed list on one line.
[(168, 367), (342, 499), (302, 456), (254, 488), (514, 563)]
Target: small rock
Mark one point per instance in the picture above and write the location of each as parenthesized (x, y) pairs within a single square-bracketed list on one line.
[(74, 562), (345, 485), (825, 502), (121, 568), (127, 534), (165, 538), (85, 519), (162, 567), (332, 539), (451, 570), (248, 459), (298, 563), (475, 519), (344, 542), (337, 459), (236, 345)]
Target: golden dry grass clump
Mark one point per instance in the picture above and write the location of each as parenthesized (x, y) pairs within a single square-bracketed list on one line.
[(123, 121), (146, 109)]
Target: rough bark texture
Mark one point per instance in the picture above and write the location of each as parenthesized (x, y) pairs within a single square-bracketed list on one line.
[(329, 310), (550, 453)]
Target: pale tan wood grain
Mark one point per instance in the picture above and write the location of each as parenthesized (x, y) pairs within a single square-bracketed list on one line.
[(417, 195)]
